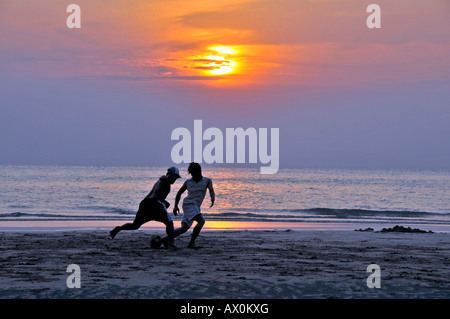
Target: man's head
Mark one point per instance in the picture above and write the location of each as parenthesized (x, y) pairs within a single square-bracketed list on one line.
[(173, 174), (195, 169)]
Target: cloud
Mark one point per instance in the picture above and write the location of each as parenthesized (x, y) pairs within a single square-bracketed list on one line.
[(219, 62), (293, 21), (205, 68), (301, 41), (153, 78)]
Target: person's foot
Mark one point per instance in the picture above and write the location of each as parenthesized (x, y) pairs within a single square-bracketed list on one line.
[(114, 232), (171, 246), (192, 245), (165, 242)]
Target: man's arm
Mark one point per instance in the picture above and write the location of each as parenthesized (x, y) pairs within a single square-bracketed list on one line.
[(176, 210), (211, 192)]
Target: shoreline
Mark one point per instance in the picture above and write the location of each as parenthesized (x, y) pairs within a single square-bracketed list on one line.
[(274, 264), (210, 225)]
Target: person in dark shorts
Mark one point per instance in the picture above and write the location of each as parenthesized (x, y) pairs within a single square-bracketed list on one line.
[(154, 206)]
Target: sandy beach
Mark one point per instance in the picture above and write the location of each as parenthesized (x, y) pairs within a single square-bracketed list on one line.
[(276, 264)]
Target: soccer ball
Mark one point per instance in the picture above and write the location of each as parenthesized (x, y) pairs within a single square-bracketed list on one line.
[(155, 241)]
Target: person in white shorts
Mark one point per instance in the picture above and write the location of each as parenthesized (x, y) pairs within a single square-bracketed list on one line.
[(196, 187)]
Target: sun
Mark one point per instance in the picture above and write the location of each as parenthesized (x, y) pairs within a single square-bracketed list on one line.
[(217, 60), (224, 69), (219, 65)]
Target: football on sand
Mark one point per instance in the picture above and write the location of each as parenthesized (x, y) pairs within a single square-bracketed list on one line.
[(155, 241)]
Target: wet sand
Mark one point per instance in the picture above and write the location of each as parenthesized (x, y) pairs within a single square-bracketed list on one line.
[(275, 264)]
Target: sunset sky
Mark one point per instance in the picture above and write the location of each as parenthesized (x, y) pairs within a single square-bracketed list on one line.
[(111, 92)]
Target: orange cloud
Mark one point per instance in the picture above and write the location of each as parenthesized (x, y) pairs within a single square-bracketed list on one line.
[(270, 42)]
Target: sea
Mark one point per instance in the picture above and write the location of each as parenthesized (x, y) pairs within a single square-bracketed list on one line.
[(303, 198)]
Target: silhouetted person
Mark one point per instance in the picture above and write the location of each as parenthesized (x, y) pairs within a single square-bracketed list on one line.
[(196, 187), (154, 207)]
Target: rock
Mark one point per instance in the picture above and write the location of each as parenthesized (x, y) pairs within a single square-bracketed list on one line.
[(401, 229), (367, 229)]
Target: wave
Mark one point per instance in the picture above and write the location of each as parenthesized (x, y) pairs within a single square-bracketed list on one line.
[(25, 215), (316, 215), (342, 212), (108, 209), (49, 216), (326, 215), (331, 212)]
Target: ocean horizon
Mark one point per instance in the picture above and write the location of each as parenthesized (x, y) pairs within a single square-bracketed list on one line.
[(303, 198)]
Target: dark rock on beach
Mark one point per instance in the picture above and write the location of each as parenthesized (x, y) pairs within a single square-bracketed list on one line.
[(367, 229), (401, 229)]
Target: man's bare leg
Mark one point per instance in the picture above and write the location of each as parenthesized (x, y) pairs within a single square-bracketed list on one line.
[(170, 235), (200, 222), (177, 232), (127, 226)]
